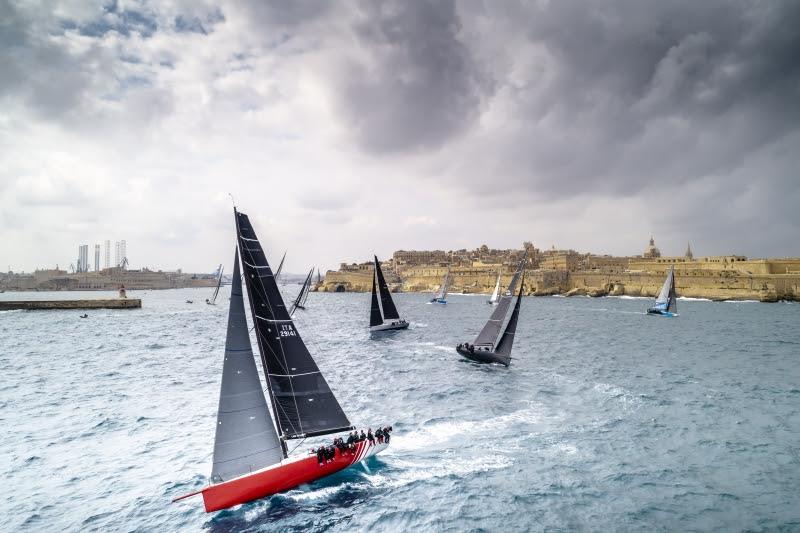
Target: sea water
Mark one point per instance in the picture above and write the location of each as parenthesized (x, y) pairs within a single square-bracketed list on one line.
[(607, 419)]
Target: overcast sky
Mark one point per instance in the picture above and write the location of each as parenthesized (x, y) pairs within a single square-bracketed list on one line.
[(363, 127)]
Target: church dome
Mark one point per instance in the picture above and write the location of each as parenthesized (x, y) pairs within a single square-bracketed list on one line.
[(652, 251)]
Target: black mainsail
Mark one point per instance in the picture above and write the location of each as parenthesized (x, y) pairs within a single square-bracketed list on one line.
[(507, 340), (245, 439), (302, 402), (389, 310)]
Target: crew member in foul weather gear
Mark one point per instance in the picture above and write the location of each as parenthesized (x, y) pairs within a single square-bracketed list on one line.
[(379, 435), (370, 436), (320, 456)]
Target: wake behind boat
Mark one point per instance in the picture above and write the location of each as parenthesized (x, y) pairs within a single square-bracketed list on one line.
[(484, 349), (441, 296), (250, 447), (383, 316), (666, 303)]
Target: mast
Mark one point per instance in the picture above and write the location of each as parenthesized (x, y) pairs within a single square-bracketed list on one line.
[(389, 310), (375, 318), (245, 438), (507, 340), (302, 402)]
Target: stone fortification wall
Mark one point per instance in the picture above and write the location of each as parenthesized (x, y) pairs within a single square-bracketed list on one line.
[(711, 284), (714, 285)]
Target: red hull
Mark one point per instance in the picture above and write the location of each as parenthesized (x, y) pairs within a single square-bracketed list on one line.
[(281, 477)]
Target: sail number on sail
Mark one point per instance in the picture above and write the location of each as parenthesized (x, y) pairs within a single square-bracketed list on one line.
[(287, 331)]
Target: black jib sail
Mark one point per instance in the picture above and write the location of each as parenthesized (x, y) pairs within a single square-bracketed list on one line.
[(245, 439), (375, 318), (673, 301), (507, 340), (389, 310), (302, 401)]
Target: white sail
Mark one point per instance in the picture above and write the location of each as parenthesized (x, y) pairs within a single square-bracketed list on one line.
[(496, 293), (445, 286), (663, 296)]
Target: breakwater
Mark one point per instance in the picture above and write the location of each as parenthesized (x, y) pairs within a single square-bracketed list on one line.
[(31, 305)]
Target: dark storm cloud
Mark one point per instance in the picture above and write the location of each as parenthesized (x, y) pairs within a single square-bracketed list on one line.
[(269, 14), (619, 96), (657, 90), (416, 84)]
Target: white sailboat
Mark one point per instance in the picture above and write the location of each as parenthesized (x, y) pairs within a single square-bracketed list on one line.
[(496, 294)]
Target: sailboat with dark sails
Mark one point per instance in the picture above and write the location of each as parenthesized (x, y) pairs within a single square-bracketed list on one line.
[(250, 447), (213, 299), (484, 349), (383, 316), (280, 267), (302, 296), (441, 296), (666, 303)]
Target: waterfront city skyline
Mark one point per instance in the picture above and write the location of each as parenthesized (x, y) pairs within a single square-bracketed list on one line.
[(372, 128)]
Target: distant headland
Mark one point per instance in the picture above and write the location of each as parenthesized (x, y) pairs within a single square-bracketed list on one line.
[(107, 279), (570, 273)]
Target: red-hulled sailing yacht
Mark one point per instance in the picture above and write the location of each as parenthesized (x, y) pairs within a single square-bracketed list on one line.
[(250, 451)]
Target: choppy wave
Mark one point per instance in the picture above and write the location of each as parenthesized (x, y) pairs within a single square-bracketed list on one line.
[(605, 417)]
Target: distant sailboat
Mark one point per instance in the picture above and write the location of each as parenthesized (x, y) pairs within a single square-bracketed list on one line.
[(383, 317), (250, 451), (666, 303), (496, 294), (213, 299), (484, 349), (280, 267), (302, 296), (441, 297)]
